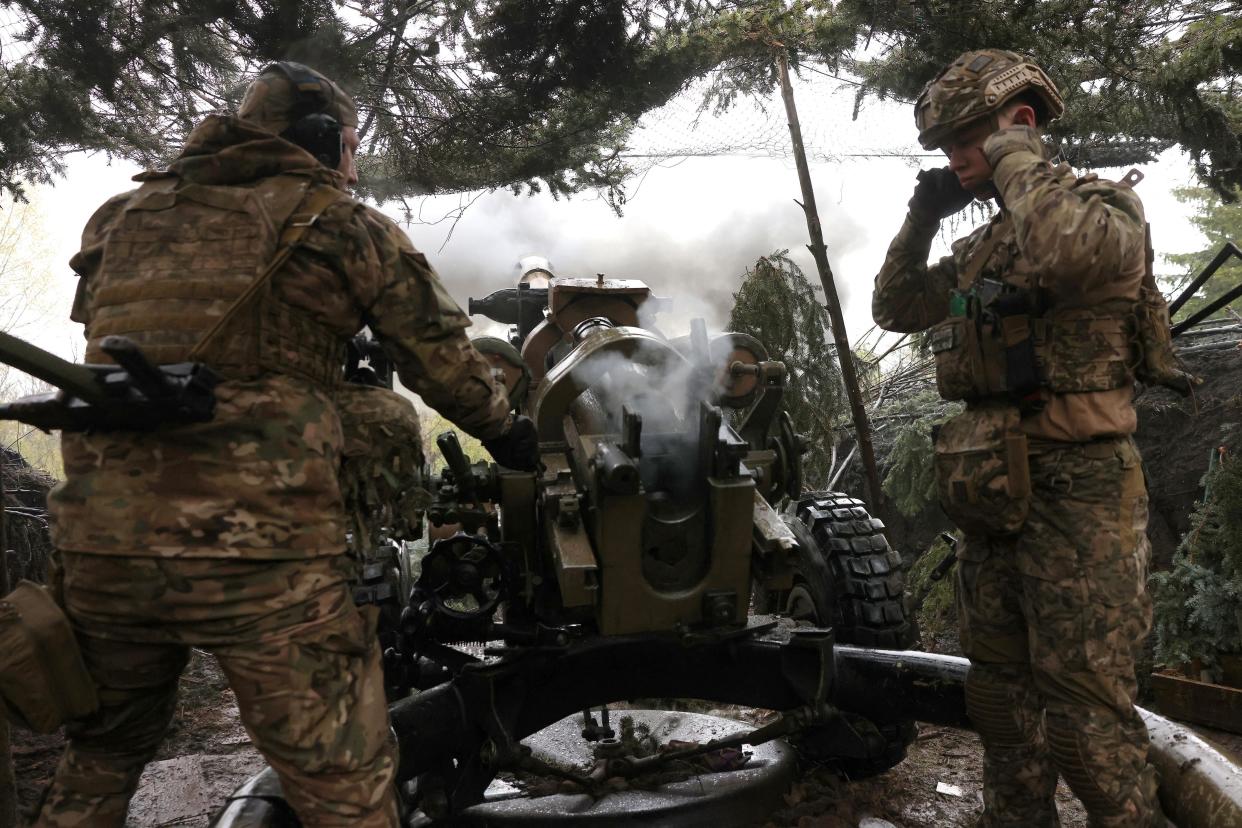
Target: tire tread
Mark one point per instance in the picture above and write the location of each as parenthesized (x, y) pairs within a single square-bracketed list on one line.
[(867, 574)]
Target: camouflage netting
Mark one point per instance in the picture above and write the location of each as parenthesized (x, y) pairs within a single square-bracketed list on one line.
[(26, 545)]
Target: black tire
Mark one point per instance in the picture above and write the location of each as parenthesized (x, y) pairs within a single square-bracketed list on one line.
[(846, 576)]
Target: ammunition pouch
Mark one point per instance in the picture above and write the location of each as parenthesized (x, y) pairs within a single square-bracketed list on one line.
[(1000, 349), (988, 350), (982, 470), (1088, 349), (957, 344), (1015, 326), (43, 680)]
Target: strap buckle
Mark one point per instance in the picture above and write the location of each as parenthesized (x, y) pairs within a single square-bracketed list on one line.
[(303, 219)]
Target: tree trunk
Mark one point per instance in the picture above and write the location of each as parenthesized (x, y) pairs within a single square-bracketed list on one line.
[(845, 356), (8, 784)]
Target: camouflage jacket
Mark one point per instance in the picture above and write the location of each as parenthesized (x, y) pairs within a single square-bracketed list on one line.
[(261, 479), (381, 476), (1078, 240)]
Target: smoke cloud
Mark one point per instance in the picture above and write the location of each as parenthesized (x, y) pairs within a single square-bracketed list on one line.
[(667, 395), (688, 243)]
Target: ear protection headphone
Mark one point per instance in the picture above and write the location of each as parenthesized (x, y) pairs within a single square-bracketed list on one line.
[(311, 128)]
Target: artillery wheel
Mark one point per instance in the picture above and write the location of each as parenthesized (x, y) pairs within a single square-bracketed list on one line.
[(847, 577)]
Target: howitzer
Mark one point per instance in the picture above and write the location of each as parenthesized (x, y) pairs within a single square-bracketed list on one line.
[(668, 506), (669, 503), (132, 395)]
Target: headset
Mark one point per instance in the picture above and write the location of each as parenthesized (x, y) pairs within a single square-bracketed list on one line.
[(311, 128)]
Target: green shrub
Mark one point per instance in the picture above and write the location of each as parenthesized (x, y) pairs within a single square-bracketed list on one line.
[(911, 477), (1198, 602), (935, 606)]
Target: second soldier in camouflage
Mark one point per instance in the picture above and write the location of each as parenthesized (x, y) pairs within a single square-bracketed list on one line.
[(1032, 325)]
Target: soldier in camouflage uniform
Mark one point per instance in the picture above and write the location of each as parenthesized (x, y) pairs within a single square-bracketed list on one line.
[(1031, 320), (230, 535)]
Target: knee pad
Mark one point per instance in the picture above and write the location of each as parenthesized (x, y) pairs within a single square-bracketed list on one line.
[(1071, 764), (1115, 789), (994, 707)]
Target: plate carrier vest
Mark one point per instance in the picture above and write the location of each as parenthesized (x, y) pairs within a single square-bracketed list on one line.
[(186, 275)]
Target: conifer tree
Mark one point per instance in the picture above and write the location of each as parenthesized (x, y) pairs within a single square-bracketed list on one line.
[(478, 94), (777, 305), (1220, 222), (1198, 602)]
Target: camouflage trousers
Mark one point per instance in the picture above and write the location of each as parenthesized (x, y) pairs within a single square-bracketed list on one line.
[(1051, 620), (301, 659)]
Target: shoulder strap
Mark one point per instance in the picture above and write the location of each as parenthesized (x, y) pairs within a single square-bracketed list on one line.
[(981, 254), (319, 199), (1149, 257)]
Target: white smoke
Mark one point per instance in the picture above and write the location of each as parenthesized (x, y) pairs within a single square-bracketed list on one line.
[(689, 234)]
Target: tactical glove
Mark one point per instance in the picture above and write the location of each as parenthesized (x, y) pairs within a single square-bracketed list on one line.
[(1017, 138), (938, 194), (517, 448)]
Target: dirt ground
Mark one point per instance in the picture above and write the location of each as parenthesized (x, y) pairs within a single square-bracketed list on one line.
[(907, 796), (207, 754)]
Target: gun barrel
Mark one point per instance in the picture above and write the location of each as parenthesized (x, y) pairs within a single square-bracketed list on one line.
[(499, 306), (77, 380)]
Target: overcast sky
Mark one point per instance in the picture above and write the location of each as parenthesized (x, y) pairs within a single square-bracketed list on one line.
[(691, 226)]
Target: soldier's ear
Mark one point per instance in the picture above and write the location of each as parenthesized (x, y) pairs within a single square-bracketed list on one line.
[(1024, 115)]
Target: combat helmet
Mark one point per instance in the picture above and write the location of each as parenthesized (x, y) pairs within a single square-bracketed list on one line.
[(286, 91), (976, 85)]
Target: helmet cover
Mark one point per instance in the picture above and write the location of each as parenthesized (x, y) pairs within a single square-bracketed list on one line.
[(282, 94), (977, 84)]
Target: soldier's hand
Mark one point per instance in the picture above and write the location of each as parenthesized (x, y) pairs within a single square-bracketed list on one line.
[(939, 194), (1016, 138), (517, 448)]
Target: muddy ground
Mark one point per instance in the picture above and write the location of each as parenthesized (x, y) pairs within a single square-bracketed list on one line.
[(207, 755)]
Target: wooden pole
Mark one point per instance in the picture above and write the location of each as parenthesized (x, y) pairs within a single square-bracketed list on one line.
[(844, 355), (8, 783)]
